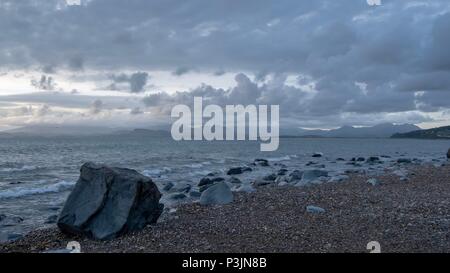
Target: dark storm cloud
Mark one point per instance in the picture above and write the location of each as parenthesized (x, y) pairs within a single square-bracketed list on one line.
[(358, 58), (135, 82), (44, 83)]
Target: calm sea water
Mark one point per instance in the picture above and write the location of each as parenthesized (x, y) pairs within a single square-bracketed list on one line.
[(36, 175)]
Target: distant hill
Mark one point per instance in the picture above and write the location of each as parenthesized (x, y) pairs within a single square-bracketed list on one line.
[(384, 130), (434, 133), (59, 130), (51, 130)]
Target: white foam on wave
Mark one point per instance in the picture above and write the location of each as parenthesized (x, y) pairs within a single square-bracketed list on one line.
[(18, 169), (197, 165), (26, 191), (156, 171), (283, 158)]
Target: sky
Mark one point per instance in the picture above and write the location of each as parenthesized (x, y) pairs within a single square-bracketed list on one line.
[(122, 63)]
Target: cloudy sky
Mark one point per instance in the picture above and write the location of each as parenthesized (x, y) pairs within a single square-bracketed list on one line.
[(326, 63)]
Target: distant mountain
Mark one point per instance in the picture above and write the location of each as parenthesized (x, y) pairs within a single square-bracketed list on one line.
[(434, 133), (77, 130), (59, 130), (384, 130)]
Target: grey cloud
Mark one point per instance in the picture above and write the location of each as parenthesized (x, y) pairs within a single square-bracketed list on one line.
[(45, 83), (136, 82), (96, 106), (396, 50), (180, 71)]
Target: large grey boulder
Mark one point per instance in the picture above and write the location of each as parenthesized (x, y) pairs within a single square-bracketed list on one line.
[(108, 202), (217, 194)]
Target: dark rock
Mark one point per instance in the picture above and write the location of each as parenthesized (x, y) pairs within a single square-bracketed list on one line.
[(310, 163), (234, 180), (317, 155), (352, 171), (448, 154), (270, 177), (260, 183), (404, 160), (210, 180), (282, 172), (235, 170), (295, 175), (2, 216), (218, 193), (373, 159), (360, 159), (262, 162), (108, 202), (52, 219), (340, 159), (168, 186)]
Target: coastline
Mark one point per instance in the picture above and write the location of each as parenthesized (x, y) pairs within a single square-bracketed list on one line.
[(403, 216)]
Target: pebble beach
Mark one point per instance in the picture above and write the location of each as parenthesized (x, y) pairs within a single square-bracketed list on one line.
[(403, 215)]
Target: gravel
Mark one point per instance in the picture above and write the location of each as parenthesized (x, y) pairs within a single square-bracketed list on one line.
[(412, 216)]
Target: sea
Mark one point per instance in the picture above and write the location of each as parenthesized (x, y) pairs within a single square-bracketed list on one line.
[(38, 173)]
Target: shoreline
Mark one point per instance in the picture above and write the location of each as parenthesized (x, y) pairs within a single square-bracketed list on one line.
[(403, 216)]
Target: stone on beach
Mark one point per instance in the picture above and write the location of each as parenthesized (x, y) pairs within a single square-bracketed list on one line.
[(238, 170), (373, 181), (313, 174), (234, 180), (177, 196), (373, 159), (217, 194), (295, 175), (210, 180), (448, 154), (108, 202), (314, 209), (404, 160), (260, 183), (168, 186), (282, 172), (246, 188), (317, 155), (261, 162), (270, 177)]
